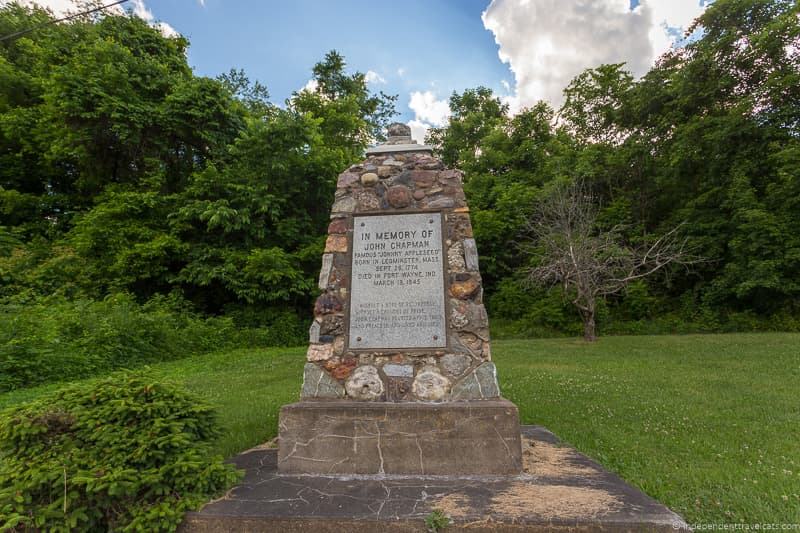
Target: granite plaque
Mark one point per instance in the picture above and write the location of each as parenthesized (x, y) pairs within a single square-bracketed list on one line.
[(397, 288)]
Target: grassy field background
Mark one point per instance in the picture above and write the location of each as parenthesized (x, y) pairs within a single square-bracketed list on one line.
[(707, 424)]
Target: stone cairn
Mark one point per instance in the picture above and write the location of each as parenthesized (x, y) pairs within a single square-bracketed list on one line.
[(395, 182)]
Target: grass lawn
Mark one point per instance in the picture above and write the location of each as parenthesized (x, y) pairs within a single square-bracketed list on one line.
[(707, 424)]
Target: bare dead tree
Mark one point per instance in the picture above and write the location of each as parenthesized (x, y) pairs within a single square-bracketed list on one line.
[(590, 264)]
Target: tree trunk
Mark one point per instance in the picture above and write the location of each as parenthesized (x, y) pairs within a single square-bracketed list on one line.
[(589, 331)]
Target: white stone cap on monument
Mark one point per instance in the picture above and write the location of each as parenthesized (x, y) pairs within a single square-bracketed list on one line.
[(399, 140)]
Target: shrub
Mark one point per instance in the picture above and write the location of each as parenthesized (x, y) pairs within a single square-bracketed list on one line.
[(54, 339), (122, 454)]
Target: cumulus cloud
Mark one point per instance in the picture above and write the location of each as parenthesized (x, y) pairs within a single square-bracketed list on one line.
[(546, 43), (373, 77), (310, 86), (428, 108), (63, 8), (428, 111), (418, 130), (140, 10)]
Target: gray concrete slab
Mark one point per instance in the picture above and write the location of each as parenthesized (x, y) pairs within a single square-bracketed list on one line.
[(478, 437), (560, 490)]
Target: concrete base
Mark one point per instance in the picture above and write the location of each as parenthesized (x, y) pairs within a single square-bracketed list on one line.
[(560, 490), (345, 437)]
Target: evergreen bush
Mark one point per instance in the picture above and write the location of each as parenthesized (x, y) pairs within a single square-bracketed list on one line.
[(124, 453)]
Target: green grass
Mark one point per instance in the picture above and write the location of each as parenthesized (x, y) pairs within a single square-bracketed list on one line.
[(707, 424)]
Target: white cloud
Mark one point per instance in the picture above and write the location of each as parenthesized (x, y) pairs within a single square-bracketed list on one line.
[(401, 72), (546, 43), (62, 8), (310, 86), (418, 130), (505, 84), (59, 8), (428, 111), (373, 77), (140, 10), (428, 108)]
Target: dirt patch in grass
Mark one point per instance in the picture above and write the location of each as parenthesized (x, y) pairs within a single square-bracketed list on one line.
[(455, 505), (549, 460), (553, 501), (525, 499)]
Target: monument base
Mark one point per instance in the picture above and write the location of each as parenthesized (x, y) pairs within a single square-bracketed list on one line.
[(559, 490), (347, 437)]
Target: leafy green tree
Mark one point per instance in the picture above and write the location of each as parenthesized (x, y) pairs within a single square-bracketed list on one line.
[(351, 117)]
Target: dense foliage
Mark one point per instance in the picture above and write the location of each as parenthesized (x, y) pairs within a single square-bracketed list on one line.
[(52, 339), (710, 137), (121, 454), (122, 172), (126, 178)]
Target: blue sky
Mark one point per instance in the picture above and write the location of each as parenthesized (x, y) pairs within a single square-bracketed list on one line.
[(420, 50), (438, 46)]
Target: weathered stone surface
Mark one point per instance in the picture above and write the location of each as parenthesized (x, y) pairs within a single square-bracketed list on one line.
[(369, 178), (319, 384), (404, 178), (471, 341), (398, 129), (455, 364), (450, 175), (327, 303), (336, 243), (398, 196), (431, 164), (345, 204), (338, 345), (419, 195), (430, 385), (398, 389), (364, 384), (384, 171), (440, 203), (313, 332), (325, 271), (577, 495), (343, 367), (319, 352), (345, 437), (423, 178), (338, 225), (464, 289), (332, 325), (455, 257), (368, 200), (392, 163), (480, 384), (346, 179), (471, 255), (460, 227), (398, 371), (469, 316)]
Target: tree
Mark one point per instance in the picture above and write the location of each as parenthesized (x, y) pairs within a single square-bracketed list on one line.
[(352, 117), (587, 262)]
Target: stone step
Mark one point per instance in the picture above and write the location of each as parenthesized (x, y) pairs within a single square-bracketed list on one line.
[(559, 490)]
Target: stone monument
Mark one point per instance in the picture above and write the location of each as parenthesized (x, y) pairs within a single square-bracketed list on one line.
[(399, 386), (399, 377)]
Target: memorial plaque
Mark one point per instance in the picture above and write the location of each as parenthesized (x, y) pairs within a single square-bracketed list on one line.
[(397, 284)]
